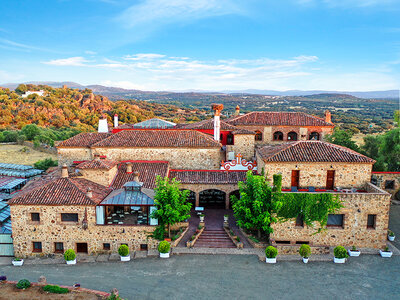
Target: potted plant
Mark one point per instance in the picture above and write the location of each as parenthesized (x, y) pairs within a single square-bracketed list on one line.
[(17, 262), (271, 253), (305, 252), (354, 251), (123, 252), (70, 257), (225, 218), (340, 254), (386, 252), (163, 248), (391, 236), (202, 218)]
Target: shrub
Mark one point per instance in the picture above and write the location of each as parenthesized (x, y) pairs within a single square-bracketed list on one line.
[(17, 259), (386, 249), (123, 250), (390, 233), (55, 289), (271, 252), (23, 284), (340, 252), (305, 250), (163, 247), (69, 255), (353, 248), (238, 239), (113, 297)]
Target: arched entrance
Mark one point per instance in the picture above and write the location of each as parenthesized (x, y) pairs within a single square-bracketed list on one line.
[(212, 198), (292, 136), (314, 136)]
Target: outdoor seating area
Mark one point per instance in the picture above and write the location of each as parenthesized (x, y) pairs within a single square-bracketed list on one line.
[(127, 215)]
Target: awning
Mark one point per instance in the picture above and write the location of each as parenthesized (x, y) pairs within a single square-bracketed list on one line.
[(128, 198), (9, 183)]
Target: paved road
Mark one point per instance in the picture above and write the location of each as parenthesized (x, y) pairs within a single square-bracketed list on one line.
[(228, 277), (394, 223)]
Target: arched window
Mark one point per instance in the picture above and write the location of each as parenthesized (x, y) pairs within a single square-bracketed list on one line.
[(229, 139), (278, 136), (258, 136), (292, 136), (314, 136)]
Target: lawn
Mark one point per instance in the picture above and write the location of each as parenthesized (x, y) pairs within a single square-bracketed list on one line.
[(14, 154)]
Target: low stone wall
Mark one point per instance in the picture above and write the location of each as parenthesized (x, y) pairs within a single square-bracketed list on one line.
[(176, 242), (237, 243), (253, 243), (294, 249), (191, 243)]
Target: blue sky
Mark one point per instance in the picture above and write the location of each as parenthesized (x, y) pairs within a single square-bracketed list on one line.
[(347, 45)]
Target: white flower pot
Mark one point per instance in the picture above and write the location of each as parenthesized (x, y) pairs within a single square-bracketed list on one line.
[(201, 219), (339, 260), (391, 238), (164, 255), (125, 258), (71, 262), (270, 260), (305, 260), (18, 263), (354, 253), (385, 253), (225, 219)]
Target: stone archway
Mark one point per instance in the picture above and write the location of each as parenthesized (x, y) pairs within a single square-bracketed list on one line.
[(212, 198)]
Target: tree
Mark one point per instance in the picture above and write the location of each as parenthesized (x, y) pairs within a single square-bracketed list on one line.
[(390, 150), (342, 138), (22, 88), (171, 203), (255, 208), (397, 117), (31, 131), (371, 148), (45, 164)]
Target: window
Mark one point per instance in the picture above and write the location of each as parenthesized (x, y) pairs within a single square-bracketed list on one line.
[(37, 246), (258, 136), (292, 136), (59, 247), (302, 242), (371, 221), (314, 136), (143, 247), (81, 247), (106, 246), (335, 221), (283, 242), (389, 184), (299, 221), (278, 136), (69, 217), (35, 217), (229, 139)]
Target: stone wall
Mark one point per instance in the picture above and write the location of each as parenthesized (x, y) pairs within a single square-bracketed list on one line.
[(244, 144), (382, 177), (179, 158), (51, 229), (357, 207), (314, 174), (100, 176), (69, 155)]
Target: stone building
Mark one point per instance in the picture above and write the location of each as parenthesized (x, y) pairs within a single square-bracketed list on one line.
[(388, 181)]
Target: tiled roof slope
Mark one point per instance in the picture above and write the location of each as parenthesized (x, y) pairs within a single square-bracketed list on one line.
[(208, 177), (148, 170), (84, 139), (63, 191), (97, 164), (159, 138), (209, 125), (311, 151), (278, 119)]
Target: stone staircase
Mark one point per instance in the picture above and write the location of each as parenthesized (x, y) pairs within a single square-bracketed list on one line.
[(215, 238)]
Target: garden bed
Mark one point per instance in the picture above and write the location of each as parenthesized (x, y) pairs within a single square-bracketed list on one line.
[(254, 242), (235, 239), (194, 238), (182, 231)]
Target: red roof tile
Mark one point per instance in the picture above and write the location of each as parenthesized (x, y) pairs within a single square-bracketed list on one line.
[(148, 170), (278, 119), (311, 151), (97, 164), (159, 138), (208, 176), (84, 139)]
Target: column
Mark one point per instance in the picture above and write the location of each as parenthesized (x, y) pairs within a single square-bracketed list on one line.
[(197, 195), (227, 200)]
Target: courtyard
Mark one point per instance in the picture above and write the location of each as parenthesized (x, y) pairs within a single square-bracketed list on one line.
[(228, 277)]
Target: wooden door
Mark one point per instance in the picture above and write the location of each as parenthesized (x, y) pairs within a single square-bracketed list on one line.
[(295, 178), (330, 179)]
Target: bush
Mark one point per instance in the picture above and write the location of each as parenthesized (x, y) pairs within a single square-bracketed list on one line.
[(113, 297), (23, 284), (390, 233), (123, 250), (45, 164), (305, 250), (340, 252), (55, 289), (163, 247), (271, 252), (69, 255)]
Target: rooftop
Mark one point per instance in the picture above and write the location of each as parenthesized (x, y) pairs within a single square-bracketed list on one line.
[(84, 139), (208, 176), (5, 219), (97, 164), (209, 125)]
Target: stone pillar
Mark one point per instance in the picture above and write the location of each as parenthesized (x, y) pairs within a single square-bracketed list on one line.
[(197, 195), (227, 200)]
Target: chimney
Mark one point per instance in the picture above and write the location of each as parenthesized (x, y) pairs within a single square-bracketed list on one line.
[(217, 108), (136, 176), (89, 193), (64, 171), (115, 121), (128, 167), (103, 124), (237, 110), (328, 116)]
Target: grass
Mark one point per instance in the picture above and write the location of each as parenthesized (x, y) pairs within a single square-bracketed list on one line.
[(13, 154)]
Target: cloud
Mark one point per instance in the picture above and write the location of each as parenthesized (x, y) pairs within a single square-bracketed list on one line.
[(141, 56), (11, 45), (71, 61), (90, 52)]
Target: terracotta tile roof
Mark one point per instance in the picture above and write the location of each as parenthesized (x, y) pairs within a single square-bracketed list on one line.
[(277, 118), (208, 176), (84, 139), (148, 170), (209, 125), (63, 191), (159, 138), (311, 151), (97, 164)]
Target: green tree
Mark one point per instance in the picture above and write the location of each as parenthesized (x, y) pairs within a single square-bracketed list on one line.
[(371, 148), (397, 117), (343, 138), (45, 164), (31, 131), (390, 150), (171, 203), (22, 88)]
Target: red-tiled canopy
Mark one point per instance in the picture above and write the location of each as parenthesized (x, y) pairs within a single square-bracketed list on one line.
[(208, 176), (84, 139)]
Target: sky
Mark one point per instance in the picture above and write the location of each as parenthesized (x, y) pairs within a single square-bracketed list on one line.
[(211, 45)]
